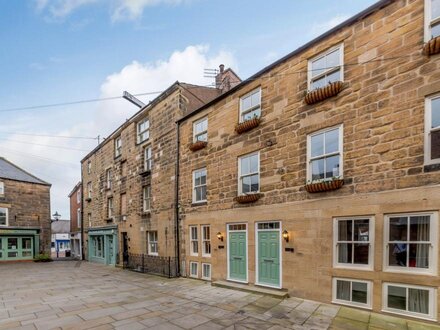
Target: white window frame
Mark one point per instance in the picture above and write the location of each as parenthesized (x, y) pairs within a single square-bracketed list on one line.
[(193, 240), (78, 217), (433, 251), (118, 146), (2, 188), (340, 151), (195, 201), (196, 134), (89, 167), (252, 108), (190, 269), (370, 264), (108, 178), (208, 278), (89, 219), (153, 242), (146, 198), (429, 130), (78, 196), (110, 207), (89, 189), (240, 176), (207, 240), (146, 130), (7, 217), (432, 301), (327, 70), (428, 21), (335, 300), (148, 161)]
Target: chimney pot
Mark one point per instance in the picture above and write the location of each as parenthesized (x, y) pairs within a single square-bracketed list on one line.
[(222, 68)]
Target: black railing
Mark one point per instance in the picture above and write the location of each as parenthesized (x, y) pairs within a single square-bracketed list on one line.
[(144, 263)]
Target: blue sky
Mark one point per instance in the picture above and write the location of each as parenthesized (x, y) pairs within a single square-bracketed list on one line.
[(65, 50)]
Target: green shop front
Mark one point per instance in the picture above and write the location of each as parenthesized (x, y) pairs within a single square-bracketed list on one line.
[(19, 243), (103, 245)]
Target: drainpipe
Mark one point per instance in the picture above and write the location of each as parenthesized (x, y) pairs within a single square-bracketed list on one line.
[(176, 201), (82, 215)]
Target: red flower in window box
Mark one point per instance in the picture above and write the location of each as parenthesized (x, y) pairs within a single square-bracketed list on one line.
[(432, 47), (248, 198), (198, 145), (320, 94), (247, 125), (324, 185)]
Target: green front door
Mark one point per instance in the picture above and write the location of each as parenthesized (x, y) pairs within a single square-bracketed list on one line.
[(237, 256), (16, 248), (269, 258), (110, 254)]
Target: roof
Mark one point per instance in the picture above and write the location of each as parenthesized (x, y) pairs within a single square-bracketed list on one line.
[(366, 12), (60, 227), (201, 95), (11, 171), (77, 186)]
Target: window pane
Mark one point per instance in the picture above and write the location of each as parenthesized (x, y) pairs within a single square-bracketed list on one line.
[(318, 169), (418, 301), (359, 292), (361, 230), (397, 254), (246, 103), (398, 229), (255, 98), (26, 243), (343, 290), (254, 163), (332, 166), (254, 183), (419, 228), (397, 297), (361, 254), (419, 255), (317, 145), (252, 114), (245, 165), (318, 66), (345, 253), (345, 230), (12, 243), (435, 30), (435, 9), (321, 82), (435, 114), (334, 76), (246, 186), (332, 141), (333, 59), (203, 193)]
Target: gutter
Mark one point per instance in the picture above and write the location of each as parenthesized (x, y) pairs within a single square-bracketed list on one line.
[(176, 202), (82, 215)]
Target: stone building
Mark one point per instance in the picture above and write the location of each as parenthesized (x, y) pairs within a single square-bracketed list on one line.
[(24, 214), (75, 198), (129, 185), (320, 173)]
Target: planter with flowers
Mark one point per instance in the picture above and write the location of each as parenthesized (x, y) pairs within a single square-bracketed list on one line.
[(322, 93), (322, 185), (247, 125), (248, 198), (198, 145)]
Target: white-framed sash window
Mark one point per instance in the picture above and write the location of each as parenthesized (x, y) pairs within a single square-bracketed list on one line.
[(110, 207), (194, 269), (108, 175), (153, 249), (327, 67), (199, 185), (148, 159), (146, 198), (118, 146), (143, 130), (432, 19), (249, 174), (432, 130), (352, 292), (78, 217), (194, 240), (3, 216), (206, 271), (250, 105), (89, 190), (206, 241), (200, 130)]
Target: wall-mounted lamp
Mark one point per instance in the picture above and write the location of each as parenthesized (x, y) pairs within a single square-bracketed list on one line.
[(220, 236), (286, 235)]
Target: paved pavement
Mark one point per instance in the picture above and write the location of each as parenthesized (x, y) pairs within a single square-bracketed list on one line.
[(81, 295)]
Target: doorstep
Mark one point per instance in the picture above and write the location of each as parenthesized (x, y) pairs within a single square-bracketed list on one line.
[(276, 293)]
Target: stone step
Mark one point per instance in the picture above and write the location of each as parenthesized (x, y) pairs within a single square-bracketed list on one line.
[(276, 293)]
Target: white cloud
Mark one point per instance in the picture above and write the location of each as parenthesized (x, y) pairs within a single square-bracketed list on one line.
[(133, 9), (59, 9), (319, 28)]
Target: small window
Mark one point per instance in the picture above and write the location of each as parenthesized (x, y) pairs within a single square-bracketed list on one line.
[(326, 68), (148, 159), (249, 174), (194, 269), (206, 271), (78, 196), (206, 241), (2, 188), (237, 227), (199, 185), (268, 225), (89, 167), (89, 219), (123, 204), (89, 190), (194, 241), (109, 207), (410, 300), (432, 130), (124, 169), (146, 198), (78, 217), (143, 130), (250, 105), (352, 292), (432, 19), (411, 243), (200, 130), (353, 242), (108, 177), (118, 146), (324, 154), (153, 249), (3, 216)]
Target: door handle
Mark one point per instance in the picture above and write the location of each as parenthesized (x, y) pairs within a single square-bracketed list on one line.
[(237, 258), (268, 260)]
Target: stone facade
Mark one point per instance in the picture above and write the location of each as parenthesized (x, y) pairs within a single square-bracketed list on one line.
[(75, 198), (380, 113)]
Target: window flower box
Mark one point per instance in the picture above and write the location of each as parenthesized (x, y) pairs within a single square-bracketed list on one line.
[(198, 145), (323, 93), (248, 198), (247, 125), (432, 47), (324, 185)]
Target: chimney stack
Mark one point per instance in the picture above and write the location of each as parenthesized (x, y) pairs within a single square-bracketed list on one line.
[(226, 79)]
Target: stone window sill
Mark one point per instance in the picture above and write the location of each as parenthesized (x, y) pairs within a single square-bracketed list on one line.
[(431, 168), (199, 204)]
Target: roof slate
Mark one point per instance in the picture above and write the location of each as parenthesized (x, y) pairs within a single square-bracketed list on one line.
[(11, 171)]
